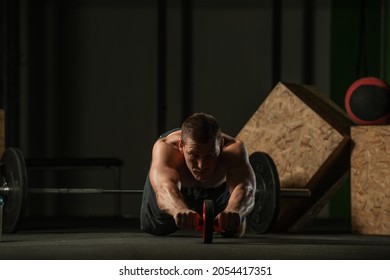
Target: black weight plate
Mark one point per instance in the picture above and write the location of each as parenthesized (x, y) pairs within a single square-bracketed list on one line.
[(14, 176), (266, 209), (208, 221)]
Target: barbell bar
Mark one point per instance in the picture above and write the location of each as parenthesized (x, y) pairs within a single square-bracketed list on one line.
[(287, 193), (81, 191), (14, 189)]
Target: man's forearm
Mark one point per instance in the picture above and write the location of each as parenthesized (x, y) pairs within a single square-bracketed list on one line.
[(241, 200), (169, 199)]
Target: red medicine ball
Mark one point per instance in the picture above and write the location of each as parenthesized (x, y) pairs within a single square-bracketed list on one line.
[(367, 101)]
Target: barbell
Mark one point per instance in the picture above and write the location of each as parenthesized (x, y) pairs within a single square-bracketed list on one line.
[(14, 191)]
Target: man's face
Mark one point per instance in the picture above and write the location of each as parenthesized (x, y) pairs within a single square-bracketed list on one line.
[(201, 159)]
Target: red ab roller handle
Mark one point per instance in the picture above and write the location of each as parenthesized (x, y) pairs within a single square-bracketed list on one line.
[(208, 224), (200, 225)]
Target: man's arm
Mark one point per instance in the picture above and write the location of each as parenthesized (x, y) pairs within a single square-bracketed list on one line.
[(165, 181), (241, 182)]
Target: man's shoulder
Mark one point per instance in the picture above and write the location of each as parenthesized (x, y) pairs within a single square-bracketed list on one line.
[(166, 144), (166, 149), (234, 153), (171, 138), (233, 145)]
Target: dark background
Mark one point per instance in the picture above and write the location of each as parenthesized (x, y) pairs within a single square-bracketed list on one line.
[(103, 78)]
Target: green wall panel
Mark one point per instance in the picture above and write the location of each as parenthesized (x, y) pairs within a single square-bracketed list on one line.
[(355, 53)]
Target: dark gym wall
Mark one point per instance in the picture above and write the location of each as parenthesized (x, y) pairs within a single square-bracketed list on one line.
[(90, 72), (358, 49), (9, 68)]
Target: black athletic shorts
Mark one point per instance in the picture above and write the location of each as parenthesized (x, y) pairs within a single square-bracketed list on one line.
[(157, 222)]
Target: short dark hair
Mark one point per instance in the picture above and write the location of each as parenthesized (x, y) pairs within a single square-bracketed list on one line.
[(201, 128)]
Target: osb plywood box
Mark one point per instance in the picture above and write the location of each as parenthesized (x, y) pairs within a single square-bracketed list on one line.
[(307, 136), (370, 180)]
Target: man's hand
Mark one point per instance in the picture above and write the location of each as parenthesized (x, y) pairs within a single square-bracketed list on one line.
[(229, 220), (186, 219)]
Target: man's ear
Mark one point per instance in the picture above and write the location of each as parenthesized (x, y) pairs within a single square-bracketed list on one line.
[(222, 142), (181, 145)]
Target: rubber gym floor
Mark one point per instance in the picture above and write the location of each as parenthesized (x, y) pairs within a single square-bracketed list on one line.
[(120, 239)]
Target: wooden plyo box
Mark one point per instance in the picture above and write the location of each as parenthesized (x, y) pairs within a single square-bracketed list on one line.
[(370, 180), (308, 137)]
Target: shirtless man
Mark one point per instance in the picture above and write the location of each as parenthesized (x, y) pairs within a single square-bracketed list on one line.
[(195, 163)]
